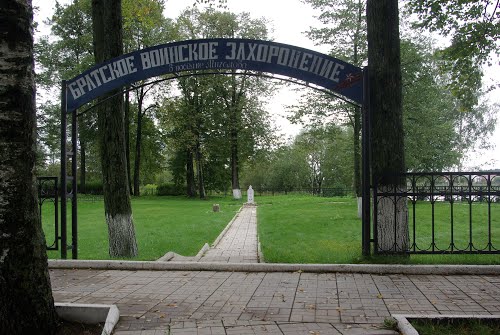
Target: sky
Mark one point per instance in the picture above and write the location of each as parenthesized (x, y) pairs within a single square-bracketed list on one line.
[(289, 20)]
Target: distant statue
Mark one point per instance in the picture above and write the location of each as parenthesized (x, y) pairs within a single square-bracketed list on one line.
[(250, 195)]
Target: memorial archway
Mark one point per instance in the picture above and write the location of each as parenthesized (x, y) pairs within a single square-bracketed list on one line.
[(309, 67)]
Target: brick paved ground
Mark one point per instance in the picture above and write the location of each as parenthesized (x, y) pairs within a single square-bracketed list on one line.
[(238, 244), (206, 302)]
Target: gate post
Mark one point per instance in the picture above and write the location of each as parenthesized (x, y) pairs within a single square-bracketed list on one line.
[(366, 166), (64, 244), (74, 203)]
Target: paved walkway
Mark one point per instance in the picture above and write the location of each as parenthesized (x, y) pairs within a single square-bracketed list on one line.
[(282, 303), (208, 302), (237, 244)]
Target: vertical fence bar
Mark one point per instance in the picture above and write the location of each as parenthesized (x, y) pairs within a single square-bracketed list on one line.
[(414, 207), (56, 212), (470, 211), (64, 244), (489, 213), (74, 203), (365, 204), (395, 190), (375, 216), (433, 222), (452, 203)]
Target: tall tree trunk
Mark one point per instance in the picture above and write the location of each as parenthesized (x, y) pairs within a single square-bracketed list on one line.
[(107, 28), (386, 104), (199, 170), (137, 161), (234, 109), (83, 167), (357, 151), (191, 190), (127, 138), (235, 180), (26, 302)]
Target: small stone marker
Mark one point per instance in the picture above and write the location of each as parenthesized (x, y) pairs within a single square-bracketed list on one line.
[(216, 207), (236, 193), (250, 195)]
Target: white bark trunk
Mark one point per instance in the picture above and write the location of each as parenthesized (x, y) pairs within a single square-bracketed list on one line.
[(392, 223), (360, 207), (121, 232)]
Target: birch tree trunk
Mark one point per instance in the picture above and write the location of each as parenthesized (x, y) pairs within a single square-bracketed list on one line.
[(107, 29), (26, 302), (190, 188), (386, 108)]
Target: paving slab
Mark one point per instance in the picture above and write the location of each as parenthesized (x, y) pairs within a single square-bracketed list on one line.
[(237, 243), (215, 302)]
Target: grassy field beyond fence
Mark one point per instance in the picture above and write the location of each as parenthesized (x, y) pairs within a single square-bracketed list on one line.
[(292, 228), (301, 229)]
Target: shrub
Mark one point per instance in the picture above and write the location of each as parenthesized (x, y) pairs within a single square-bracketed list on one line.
[(148, 189), (93, 187), (170, 189)]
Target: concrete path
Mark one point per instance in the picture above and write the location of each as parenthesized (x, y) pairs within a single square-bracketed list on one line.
[(239, 243), (209, 302), (236, 244)]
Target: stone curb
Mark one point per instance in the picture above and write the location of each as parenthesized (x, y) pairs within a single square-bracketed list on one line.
[(406, 328), (277, 267), (223, 233), (202, 251), (90, 314), (165, 258), (169, 255)]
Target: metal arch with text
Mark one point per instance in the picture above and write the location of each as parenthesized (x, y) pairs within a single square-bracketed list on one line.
[(217, 54)]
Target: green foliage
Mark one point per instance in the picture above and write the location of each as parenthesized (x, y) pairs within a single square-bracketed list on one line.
[(343, 28), (218, 120), (170, 189), (319, 157), (93, 187), (473, 28)]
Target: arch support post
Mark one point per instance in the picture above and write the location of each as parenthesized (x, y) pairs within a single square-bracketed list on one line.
[(366, 167)]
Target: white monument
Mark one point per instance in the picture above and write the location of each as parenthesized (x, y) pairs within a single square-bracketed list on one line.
[(250, 195), (236, 193)]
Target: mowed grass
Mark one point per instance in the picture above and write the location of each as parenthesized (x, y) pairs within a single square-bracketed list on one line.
[(306, 229), (291, 228), (162, 224), (457, 326)]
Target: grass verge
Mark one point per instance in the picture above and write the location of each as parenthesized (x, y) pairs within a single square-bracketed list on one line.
[(162, 224), (306, 229), (456, 326)]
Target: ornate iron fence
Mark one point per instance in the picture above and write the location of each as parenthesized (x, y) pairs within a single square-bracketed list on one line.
[(48, 192), (447, 213)]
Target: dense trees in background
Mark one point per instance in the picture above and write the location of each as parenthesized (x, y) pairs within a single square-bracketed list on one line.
[(218, 121), (213, 132)]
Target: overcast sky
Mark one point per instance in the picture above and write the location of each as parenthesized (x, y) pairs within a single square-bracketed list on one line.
[(288, 20)]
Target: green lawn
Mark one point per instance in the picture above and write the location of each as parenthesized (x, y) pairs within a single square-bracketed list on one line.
[(292, 229), (162, 224), (302, 229), (457, 327)]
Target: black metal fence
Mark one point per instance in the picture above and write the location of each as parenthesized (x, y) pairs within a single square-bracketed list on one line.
[(48, 192), (449, 212)]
